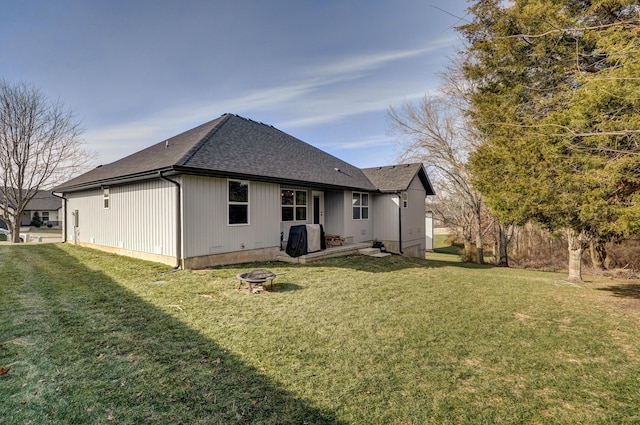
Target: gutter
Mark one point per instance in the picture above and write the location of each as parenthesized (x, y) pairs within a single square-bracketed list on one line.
[(174, 170), (64, 222), (113, 181), (268, 179), (400, 222), (178, 218)]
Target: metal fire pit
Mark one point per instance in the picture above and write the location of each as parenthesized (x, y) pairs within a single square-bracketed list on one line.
[(256, 277)]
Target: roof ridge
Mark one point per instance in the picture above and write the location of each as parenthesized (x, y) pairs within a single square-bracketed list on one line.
[(186, 157), (309, 145), (402, 164)]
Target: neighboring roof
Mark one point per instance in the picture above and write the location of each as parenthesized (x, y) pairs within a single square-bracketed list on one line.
[(396, 178), (230, 146), (44, 201)]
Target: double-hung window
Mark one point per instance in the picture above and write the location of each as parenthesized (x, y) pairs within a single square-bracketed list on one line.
[(238, 201), (294, 205), (360, 204)]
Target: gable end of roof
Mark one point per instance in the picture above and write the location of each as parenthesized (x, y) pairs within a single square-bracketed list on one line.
[(398, 178)]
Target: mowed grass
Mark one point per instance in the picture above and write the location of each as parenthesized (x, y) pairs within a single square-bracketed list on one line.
[(96, 338)]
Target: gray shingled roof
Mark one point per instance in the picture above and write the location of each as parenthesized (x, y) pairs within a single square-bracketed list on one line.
[(230, 146), (44, 201), (395, 178)]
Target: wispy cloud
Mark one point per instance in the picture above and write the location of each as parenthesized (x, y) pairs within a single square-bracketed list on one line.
[(326, 112), (366, 62), (300, 105), (318, 77), (358, 144)]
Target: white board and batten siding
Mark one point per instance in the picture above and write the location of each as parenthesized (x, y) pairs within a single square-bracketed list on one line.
[(334, 208), (386, 227), (205, 218), (357, 230), (140, 217), (413, 217)]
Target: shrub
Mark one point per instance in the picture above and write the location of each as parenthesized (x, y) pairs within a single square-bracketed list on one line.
[(36, 221)]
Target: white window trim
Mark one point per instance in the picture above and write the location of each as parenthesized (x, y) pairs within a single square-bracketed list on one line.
[(295, 205), (405, 199), (368, 206), (106, 199), (248, 203)]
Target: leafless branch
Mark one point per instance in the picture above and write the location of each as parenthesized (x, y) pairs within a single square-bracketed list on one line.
[(40, 147)]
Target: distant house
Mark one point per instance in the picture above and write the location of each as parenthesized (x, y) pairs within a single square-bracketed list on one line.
[(227, 191), (48, 207)]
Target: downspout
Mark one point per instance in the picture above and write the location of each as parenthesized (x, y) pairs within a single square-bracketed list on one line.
[(64, 222), (400, 222), (178, 219)]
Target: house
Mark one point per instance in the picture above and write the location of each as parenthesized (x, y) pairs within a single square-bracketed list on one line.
[(224, 192), (48, 207), (399, 221)]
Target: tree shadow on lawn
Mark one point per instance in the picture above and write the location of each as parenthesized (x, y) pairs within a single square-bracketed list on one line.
[(117, 358), (355, 262), (624, 290), (387, 264)]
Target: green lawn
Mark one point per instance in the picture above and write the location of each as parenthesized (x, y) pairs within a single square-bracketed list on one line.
[(96, 338)]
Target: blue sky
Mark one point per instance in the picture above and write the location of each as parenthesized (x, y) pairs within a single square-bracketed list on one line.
[(138, 72)]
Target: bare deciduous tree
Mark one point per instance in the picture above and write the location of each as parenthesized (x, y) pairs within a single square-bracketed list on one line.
[(435, 133), (40, 146)]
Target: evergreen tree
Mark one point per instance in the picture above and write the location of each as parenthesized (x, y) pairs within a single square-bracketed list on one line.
[(36, 221), (556, 99)]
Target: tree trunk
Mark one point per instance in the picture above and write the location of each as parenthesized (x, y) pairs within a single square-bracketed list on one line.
[(479, 250), (576, 247), (479, 256), (468, 251), (467, 238), (14, 228), (503, 243), (478, 232), (598, 253), (494, 250)]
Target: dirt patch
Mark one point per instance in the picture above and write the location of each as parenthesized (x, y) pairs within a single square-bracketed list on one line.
[(255, 289)]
